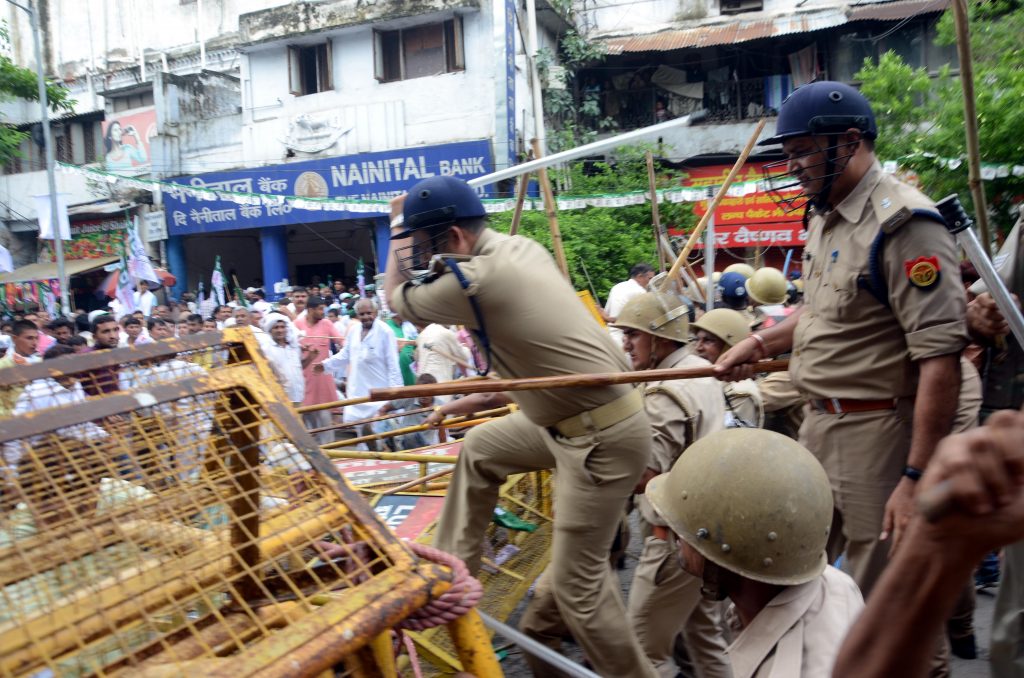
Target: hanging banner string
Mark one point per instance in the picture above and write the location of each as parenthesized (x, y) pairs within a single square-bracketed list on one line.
[(681, 194)]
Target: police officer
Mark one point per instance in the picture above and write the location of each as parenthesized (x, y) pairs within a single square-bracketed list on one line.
[(1004, 390), (715, 332), (751, 511), (876, 344), (446, 266), (733, 291), (663, 599)]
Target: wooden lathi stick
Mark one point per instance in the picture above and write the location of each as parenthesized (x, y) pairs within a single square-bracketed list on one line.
[(722, 190), (564, 381), (517, 215)]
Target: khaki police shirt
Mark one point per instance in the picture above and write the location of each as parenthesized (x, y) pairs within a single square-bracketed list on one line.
[(681, 411), (847, 344), (798, 634), (537, 325), (744, 405)]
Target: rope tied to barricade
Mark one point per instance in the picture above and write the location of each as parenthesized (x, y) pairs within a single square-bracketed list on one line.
[(464, 594)]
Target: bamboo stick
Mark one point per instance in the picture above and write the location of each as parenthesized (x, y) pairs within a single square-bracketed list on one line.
[(341, 455), (561, 381), (517, 215), (587, 149), (963, 48), (369, 420), (420, 481), (551, 212), (333, 404), (655, 216), (453, 422), (695, 236), (693, 275)]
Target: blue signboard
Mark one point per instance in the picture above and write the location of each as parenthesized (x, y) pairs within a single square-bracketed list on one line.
[(366, 176), (510, 80)]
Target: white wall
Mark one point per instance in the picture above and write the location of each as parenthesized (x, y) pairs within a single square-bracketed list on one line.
[(430, 110), (16, 191), (685, 142)]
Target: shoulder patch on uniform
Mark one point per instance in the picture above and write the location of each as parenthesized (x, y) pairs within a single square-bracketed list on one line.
[(923, 272), (895, 203)]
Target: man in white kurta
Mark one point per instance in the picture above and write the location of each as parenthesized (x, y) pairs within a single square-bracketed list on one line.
[(369, 359), (439, 353), (622, 292)]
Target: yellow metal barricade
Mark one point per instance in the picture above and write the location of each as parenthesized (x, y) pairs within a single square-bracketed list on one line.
[(164, 513)]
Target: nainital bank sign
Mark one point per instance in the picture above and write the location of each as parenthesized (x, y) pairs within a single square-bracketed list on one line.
[(366, 176)]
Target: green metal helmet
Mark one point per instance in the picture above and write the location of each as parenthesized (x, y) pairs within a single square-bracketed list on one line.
[(728, 325), (746, 270), (753, 502), (767, 286), (657, 313)]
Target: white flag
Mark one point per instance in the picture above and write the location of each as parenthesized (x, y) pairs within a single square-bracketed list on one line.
[(125, 293), (6, 261), (217, 284), (139, 265), (46, 221)]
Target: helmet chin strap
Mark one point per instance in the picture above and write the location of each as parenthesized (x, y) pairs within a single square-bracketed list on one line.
[(820, 201), (712, 585)]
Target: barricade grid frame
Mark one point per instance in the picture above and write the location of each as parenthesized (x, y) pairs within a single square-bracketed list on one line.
[(184, 521)]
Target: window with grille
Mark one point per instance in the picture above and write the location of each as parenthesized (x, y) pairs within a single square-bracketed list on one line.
[(89, 141)]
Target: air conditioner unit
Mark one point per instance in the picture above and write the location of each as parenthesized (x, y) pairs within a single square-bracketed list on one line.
[(738, 6)]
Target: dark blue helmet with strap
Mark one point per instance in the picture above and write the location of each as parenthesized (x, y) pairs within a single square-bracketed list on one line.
[(734, 289), (439, 202), (824, 107)]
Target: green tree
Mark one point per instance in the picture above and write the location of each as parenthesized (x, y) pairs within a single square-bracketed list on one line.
[(605, 241), (921, 120), (21, 83)]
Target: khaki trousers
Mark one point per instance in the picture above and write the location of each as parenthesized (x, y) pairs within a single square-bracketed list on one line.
[(595, 474), (864, 454), (665, 600)]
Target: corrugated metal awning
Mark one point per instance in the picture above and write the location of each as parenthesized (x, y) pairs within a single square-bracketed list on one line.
[(100, 209), (49, 271), (740, 30), (894, 11)]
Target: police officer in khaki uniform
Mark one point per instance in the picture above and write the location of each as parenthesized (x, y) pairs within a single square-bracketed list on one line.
[(751, 510), (446, 266), (663, 599), (1004, 390), (714, 332), (876, 344)]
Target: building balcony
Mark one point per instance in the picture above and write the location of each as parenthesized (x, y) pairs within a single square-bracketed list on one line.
[(725, 102)]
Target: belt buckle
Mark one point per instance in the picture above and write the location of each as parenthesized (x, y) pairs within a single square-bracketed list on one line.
[(837, 408)]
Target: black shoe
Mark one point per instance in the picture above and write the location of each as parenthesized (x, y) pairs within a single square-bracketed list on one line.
[(964, 647)]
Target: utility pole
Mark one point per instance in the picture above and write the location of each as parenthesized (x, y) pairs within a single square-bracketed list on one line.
[(51, 179)]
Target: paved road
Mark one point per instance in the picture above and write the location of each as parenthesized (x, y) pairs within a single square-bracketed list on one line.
[(515, 667)]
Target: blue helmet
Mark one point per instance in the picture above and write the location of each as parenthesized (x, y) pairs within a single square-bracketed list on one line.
[(437, 202), (734, 288), (824, 107)]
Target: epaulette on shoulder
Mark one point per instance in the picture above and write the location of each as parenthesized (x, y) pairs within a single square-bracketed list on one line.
[(896, 203)]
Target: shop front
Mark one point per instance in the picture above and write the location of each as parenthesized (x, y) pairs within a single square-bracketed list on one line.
[(264, 237), (754, 228)]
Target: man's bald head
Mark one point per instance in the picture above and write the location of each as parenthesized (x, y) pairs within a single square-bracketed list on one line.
[(366, 313)]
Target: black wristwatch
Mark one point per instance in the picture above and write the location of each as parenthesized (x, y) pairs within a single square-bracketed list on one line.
[(913, 473)]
